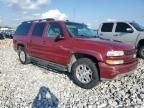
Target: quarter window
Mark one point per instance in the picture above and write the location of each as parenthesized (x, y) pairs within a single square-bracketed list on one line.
[(38, 29), (107, 27), (23, 29)]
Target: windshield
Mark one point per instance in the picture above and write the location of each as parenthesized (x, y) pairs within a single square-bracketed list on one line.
[(80, 30), (137, 26)]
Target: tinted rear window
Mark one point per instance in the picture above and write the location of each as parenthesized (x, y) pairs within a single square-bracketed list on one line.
[(107, 27), (38, 29), (23, 29)]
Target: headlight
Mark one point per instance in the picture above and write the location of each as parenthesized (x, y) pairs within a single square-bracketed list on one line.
[(115, 53)]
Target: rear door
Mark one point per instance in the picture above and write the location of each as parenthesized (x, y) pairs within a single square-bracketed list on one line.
[(36, 41), (55, 51), (106, 30)]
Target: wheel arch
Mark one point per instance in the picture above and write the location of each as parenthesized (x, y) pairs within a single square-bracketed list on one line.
[(20, 45), (140, 43), (75, 56)]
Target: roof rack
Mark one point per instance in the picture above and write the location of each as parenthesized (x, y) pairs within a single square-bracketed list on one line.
[(39, 20)]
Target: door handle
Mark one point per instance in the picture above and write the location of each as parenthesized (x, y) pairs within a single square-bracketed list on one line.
[(101, 34), (115, 35)]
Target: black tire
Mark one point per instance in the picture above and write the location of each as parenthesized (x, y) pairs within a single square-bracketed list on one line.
[(141, 52), (95, 75), (26, 59)]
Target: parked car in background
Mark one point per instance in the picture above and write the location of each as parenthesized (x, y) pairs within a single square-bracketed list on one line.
[(129, 32), (10, 33), (1, 35), (6, 34), (73, 47)]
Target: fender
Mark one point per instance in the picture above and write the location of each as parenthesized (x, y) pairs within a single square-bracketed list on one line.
[(95, 54), (139, 37), (73, 59)]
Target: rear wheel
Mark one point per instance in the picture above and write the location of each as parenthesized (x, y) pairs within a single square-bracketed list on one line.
[(141, 52), (23, 55), (85, 73)]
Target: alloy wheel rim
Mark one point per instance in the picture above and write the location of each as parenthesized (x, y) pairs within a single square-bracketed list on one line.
[(84, 73), (22, 56)]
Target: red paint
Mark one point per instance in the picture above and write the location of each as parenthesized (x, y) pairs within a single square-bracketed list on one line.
[(61, 51)]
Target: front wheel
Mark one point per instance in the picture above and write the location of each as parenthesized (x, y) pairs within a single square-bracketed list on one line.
[(23, 56), (141, 52), (85, 73)]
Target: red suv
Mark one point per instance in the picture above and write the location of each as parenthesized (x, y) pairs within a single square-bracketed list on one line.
[(73, 47)]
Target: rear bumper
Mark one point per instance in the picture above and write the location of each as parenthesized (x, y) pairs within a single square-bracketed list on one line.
[(113, 72)]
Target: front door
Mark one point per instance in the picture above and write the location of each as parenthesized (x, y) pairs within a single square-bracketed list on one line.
[(121, 33), (56, 51)]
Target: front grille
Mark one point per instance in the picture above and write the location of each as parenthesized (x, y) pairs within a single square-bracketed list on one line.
[(130, 56), (130, 52)]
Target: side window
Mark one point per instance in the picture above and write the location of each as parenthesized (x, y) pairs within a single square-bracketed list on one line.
[(53, 30), (23, 29), (122, 27), (107, 27), (38, 29)]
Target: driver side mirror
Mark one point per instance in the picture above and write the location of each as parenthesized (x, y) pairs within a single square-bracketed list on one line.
[(59, 37), (129, 30)]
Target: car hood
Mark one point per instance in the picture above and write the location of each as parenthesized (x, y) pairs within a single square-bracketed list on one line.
[(111, 44)]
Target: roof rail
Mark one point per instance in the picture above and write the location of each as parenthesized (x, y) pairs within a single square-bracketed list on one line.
[(39, 20)]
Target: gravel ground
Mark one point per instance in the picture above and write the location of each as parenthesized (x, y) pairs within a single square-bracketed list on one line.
[(6, 43), (30, 86)]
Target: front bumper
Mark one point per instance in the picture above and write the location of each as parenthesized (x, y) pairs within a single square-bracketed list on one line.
[(115, 71)]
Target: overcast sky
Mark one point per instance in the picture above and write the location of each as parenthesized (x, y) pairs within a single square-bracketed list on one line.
[(91, 12)]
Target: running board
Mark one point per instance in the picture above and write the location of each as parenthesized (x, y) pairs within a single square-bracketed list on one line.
[(49, 64)]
